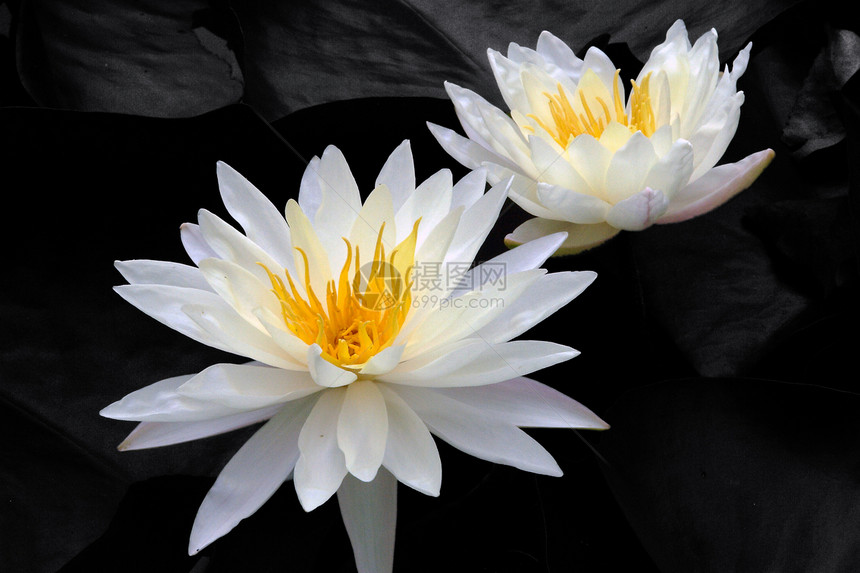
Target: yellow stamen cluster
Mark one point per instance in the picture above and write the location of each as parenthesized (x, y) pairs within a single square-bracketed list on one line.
[(357, 318), (569, 123)]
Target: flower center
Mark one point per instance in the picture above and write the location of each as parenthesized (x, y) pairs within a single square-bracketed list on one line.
[(360, 315), (595, 113)]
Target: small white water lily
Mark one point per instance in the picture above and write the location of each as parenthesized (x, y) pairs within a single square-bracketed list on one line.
[(357, 358), (584, 160)]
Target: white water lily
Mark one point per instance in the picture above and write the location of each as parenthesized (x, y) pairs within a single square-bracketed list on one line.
[(353, 365), (586, 161)]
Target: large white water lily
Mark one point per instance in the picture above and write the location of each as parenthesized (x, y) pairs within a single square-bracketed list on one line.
[(587, 160), (356, 359)]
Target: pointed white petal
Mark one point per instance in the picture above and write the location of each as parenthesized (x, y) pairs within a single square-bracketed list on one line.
[(310, 194), (398, 174), (250, 477), (410, 453), (261, 220), (194, 243), (716, 187), (143, 271), (525, 257), (248, 386), (476, 223), (469, 189), (306, 240), (369, 513), (320, 468), (233, 246), (165, 304), (160, 402), (362, 429), (478, 433), (527, 403), (548, 294), (464, 150), (157, 434), (430, 202), (489, 363), (324, 372)]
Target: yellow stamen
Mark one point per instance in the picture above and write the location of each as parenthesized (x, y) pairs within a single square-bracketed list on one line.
[(361, 315), (568, 124)]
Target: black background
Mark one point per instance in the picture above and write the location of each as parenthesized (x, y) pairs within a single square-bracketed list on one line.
[(721, 350)]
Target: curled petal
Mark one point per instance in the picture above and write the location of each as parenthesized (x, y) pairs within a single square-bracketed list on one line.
[(716, 187)]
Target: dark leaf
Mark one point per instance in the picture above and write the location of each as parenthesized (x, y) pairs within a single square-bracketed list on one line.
[(299, 54), (174, 59)]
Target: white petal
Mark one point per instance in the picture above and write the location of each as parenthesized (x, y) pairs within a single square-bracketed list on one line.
[(431, 202), (310, 193), (383, 361), (165, 304), (376, 214), (527, 403), (157, 434), (159, 402), (557, 52), (446, 320), (225, 329), (243, 290), (142, 271), (369, 513), (469, 189), (548, 294), (478, 433), (525, 257), (306, 240), (464, 150), (523, 191), (571, 206), (324, 372), (194, 243), (716, 187), (639, 211), (233, 246), (320, 468), (554, 168), (628, 168), (248, 386), (507, 74), (398, 174), (579, 237), (362, 429), (250, 477), (262, 222), (591, 160), (476, 223), (410, 453), (672, 170), (489, 363)]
